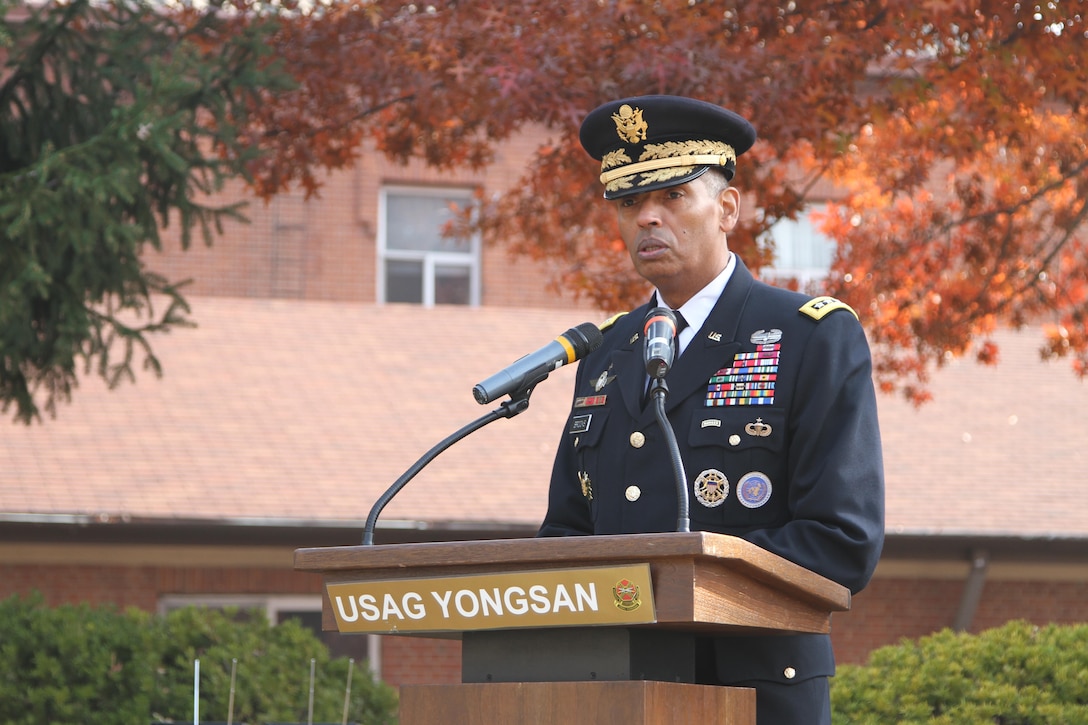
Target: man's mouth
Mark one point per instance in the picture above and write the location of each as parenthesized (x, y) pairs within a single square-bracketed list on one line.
[(651, 248)]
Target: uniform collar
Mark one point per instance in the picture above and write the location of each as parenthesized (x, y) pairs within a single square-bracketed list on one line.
[(699, 307)]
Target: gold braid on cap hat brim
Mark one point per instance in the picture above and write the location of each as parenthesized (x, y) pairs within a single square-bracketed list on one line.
[(669, 155)]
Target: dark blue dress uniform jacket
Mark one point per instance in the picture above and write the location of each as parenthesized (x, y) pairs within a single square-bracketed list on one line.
[(812, 485)]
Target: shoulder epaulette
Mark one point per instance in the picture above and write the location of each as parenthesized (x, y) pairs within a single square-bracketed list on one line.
[(611, 321), (820, 307)]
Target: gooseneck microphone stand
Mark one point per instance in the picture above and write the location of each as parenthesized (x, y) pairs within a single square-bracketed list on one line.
[(518, 403), (659, 390)]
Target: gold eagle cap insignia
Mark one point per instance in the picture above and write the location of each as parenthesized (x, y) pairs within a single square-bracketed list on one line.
[(629, 124)]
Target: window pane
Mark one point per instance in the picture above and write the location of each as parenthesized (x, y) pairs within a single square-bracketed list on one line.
[(403, 281), (416, 223), (340, 645), (800, 249), (451, 284)]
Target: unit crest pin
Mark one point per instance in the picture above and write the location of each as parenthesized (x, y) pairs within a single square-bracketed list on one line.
[(625, 595), (587, 485)]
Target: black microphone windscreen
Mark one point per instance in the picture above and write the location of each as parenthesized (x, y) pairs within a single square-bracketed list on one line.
[(588, 338)]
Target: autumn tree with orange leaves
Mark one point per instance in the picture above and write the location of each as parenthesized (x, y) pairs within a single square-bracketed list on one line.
[(952, 133)]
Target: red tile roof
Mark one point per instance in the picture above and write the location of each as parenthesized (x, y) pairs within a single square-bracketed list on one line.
[(299, 412)]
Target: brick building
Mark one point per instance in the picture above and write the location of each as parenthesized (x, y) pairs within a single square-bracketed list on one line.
[(339, 339)]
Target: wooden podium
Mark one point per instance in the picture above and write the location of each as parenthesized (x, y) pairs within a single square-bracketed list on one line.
[(532, 651)]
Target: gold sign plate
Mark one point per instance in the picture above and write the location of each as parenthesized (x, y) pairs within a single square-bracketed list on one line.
[(610, 595)]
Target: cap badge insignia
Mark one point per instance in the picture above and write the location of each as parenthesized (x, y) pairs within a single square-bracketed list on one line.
[(629, 124), (758, 429), (754, 489), (626, 595), (587, 485), (711, 488)]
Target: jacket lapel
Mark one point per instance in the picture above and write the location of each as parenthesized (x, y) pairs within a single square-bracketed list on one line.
[(714, 343)]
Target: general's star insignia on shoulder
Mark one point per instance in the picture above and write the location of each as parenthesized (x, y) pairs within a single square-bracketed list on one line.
[(611, 321), (820, 307)]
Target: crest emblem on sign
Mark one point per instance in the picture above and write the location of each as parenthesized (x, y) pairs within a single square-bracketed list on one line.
[(626, 595), (629, 124)]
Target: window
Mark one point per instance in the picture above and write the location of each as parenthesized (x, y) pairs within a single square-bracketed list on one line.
[(801, 251), (278, 609), (417, 264)]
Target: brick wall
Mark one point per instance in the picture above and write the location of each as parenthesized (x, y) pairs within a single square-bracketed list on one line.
[(325, 248), (889, 610), (142, 586)]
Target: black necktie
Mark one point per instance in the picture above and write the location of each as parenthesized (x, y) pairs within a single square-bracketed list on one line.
[(681, 324)]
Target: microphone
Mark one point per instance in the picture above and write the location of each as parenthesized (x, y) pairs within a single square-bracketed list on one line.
[(574, 344), (659, 341)]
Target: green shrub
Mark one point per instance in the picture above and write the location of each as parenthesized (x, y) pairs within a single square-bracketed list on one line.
[(67, 665), (1017, 674), (98, 666)]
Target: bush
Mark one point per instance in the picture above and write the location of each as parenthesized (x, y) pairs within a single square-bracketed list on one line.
[(1017, 674), (98, 666)]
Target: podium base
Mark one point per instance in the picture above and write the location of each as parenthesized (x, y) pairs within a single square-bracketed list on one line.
[(577, 703)]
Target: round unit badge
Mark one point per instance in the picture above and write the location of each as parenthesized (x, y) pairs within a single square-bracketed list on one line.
[(754, 489), (711, 488)]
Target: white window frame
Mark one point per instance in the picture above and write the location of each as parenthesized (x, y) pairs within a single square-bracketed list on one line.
[(800, 237), (430, 259)]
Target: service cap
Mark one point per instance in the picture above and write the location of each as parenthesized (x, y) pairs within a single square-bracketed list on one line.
[(646, 143)]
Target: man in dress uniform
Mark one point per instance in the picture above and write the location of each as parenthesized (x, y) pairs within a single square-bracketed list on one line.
[(770, 395)]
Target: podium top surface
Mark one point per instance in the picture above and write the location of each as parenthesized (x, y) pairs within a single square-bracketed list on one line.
[(699, 549)]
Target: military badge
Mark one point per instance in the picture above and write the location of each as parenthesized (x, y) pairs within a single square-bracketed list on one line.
[(711, 488), (602, 380), (625, 595), (754, 489), (758, 429), (629, 124), (765, 337), (587, 485)]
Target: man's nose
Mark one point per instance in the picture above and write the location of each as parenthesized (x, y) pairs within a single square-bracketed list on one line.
[(649, 214)]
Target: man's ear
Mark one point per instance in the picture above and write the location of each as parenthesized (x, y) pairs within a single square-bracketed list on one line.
[(729, 199)]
